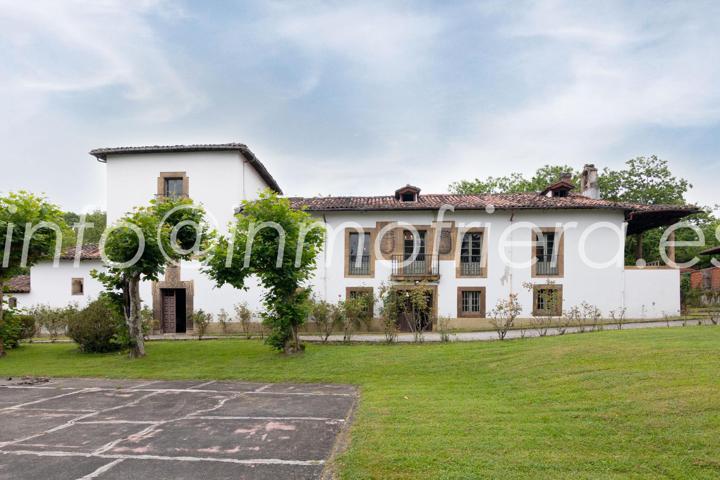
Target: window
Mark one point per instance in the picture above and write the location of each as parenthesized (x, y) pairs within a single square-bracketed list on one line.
[(471, 254), (173, 187), (409, 245), (407, 197), (548, 251), (547, 300), (364, 293), (359, 251), (78, 286), (12, 302), (471, 302)]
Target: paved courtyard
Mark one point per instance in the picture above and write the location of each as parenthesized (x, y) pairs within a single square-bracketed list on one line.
[(121, 429)]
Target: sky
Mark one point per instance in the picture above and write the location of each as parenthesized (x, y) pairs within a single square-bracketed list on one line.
[(345, 98)]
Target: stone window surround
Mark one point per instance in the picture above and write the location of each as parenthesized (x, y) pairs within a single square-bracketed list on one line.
[(550, 286), (463, 314), (364, 290), (559, 248), (459, 235), (346, 254), (165, 175)]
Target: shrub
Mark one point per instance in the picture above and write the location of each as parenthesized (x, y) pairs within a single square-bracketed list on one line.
[(326, 318), (618, 317), (16, 327), (243, 315), (504, 315), (54, 320), (223, 319), (356, 312), (443, 326), (201, 320), (97, 328)]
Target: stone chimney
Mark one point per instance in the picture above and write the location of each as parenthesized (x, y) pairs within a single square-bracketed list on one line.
[(589, 182)]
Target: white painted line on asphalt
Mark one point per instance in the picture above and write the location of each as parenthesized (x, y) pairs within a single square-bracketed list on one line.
[(72, 422), (21, 405), (250, 461), (310, 419), (202, 384), (259, 391), (101, 470)]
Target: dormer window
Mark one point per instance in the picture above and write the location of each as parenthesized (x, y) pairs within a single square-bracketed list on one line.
[(561, 188), (408, 193)]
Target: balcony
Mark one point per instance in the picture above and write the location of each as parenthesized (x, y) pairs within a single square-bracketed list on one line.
[(471, 269), (547, 265), (359, 265), (421, 267)]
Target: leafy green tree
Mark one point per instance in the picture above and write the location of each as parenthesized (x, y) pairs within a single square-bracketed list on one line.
[(95, 223), (515, 182), (279, 245), (140, 245), (31, 229), (643, 180)]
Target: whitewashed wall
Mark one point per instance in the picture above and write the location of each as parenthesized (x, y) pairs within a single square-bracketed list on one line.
[(53, 286), (219, 181), (652, 293), (601, 284)]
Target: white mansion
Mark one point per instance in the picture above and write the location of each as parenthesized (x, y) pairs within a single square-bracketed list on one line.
[(472, 250)]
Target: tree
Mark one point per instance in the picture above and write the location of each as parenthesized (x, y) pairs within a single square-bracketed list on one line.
[(140, 245), (279, 245), (95, 223), (31, 229), (643, 180), (515, 182)]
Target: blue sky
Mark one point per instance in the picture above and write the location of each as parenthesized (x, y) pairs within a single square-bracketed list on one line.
[(359, 98)]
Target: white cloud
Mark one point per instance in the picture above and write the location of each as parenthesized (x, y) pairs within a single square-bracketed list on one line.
[(78, 46), (599, 78), (378, 41)]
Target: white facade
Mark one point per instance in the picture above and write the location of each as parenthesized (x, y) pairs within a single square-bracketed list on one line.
[(218, 180), (51, 285), (594, 270), (593, 261)]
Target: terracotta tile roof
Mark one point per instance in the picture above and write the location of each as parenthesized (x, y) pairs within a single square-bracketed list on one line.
[(102, 153), (504, 201), (19, 284), (640, 217), (88, 252)]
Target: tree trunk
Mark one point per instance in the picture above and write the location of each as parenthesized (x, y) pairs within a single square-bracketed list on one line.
[(2, 340), (134, 322)]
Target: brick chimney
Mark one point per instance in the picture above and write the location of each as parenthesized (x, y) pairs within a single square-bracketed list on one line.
[(589, 182)]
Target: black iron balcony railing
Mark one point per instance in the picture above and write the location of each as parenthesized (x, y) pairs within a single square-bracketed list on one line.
[(359, 265), (547, 265), (422, 265), (470, 268)]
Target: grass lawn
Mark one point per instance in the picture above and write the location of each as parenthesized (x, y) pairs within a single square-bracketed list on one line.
[(627, 404)]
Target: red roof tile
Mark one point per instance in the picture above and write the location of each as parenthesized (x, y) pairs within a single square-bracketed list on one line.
[(19, 284), (88, 252), (504, 201)]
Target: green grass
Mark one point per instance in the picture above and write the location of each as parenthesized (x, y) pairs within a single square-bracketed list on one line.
[(628, 404)]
